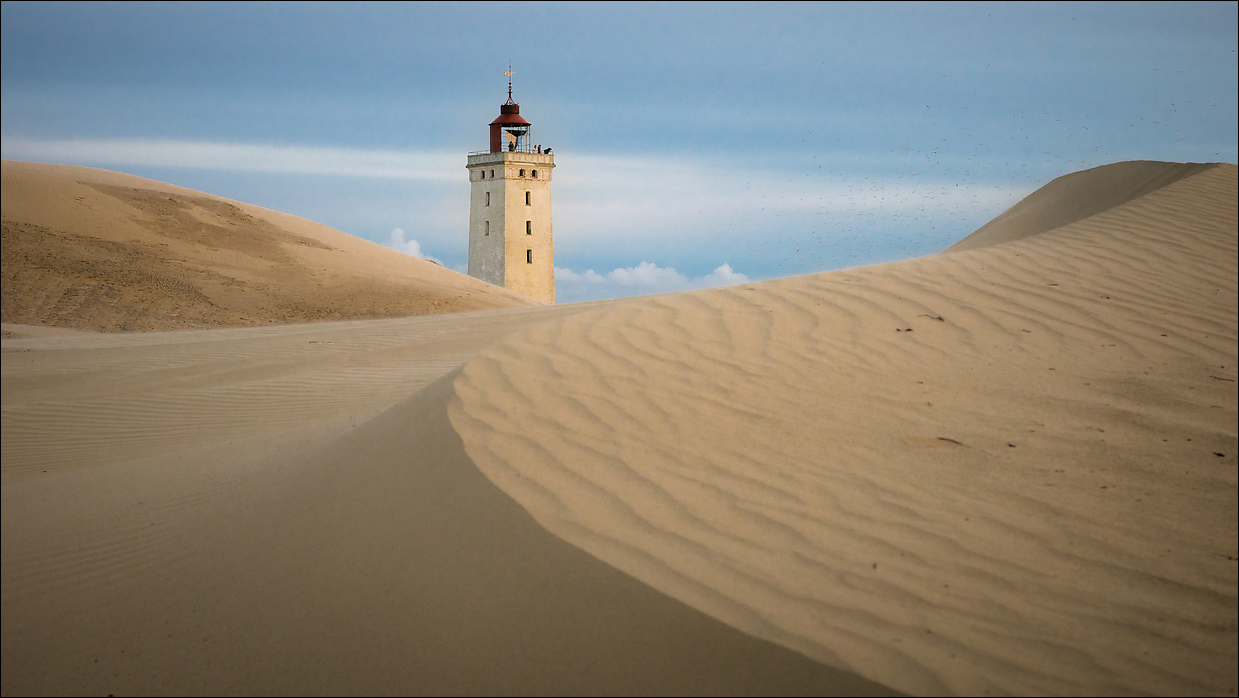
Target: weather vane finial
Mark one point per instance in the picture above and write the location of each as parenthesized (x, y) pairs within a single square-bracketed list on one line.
[(508, 73)]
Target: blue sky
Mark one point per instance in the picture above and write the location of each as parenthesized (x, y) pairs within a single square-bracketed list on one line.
[(695, 144)]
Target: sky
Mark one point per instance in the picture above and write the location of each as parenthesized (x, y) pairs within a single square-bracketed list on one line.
[(696, 144)]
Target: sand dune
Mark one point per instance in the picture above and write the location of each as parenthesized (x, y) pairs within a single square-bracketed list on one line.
[(1077, 196), (96, 250), (991, 470), (1011, 469)]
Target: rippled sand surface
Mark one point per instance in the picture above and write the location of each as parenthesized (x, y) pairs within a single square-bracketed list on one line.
[(1007, 469)]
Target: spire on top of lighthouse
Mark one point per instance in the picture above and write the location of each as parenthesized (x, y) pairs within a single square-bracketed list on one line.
[(508, 73), (510, 125)]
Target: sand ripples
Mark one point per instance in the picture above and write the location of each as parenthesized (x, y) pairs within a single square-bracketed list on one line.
[(959, 473)]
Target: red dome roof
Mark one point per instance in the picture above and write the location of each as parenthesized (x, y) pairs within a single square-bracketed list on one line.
[(510, 113)]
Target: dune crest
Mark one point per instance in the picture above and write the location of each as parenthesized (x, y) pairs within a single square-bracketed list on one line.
[(1006, 469), (95, 250), (1077, 196)]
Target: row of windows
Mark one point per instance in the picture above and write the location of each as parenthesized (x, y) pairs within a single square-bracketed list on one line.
[(482, 174), (528, 199), (528, 227)]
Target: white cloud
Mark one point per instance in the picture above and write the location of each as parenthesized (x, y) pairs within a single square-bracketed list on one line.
[(588, 276), (723, 276), (647, 275), (644, 279), (239, 157), (411, 247)]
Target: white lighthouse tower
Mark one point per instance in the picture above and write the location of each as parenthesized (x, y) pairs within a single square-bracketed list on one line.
[(510, 241)]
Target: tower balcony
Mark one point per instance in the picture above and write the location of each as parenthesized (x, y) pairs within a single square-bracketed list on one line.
[(521, 155)]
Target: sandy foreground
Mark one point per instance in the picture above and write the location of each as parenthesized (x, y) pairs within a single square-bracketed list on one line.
[(1008, 468)]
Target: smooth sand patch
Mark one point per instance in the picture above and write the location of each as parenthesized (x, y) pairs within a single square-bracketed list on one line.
[(1008, 469)]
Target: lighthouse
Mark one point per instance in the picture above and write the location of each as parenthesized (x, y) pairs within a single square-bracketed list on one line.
[(510, 242)]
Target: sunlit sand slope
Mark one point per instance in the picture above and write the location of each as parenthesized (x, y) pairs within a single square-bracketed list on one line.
[(96, 250), (1010, 469)]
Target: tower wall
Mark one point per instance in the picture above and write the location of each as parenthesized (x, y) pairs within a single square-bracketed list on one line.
[(518, 253)]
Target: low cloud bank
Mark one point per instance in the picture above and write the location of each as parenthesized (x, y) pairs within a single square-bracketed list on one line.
[(644, 279)]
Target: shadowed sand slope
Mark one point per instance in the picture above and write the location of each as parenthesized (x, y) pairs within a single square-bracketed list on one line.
[(97, 250), (269, 511), (1009, 469)]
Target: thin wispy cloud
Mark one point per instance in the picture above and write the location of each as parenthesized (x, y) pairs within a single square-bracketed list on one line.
[(698, 185), (238, 157), (609, 186), (780, 221)]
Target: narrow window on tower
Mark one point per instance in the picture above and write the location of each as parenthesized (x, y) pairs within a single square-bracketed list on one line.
[(535, 174), (528, 256), (486, 227), (492, 174), (529, 227), (527, 199), (488, 198), (522, 172)]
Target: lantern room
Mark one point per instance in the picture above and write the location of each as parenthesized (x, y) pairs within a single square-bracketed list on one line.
[(510, 132)]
